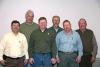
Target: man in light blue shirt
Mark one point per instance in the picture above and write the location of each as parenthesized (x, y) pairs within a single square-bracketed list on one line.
[(69, 46)]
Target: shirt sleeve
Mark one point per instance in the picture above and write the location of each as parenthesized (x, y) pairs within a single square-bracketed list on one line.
[(31, 43), (57, 43), (95, 47), (80, 47), (2, 47), (25, 48)]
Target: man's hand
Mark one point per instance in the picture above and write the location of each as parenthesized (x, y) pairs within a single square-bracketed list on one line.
[(53, 60), (3, 62), (26, 61), (93, 59), (31, 60), (57, 60), (78, 59)]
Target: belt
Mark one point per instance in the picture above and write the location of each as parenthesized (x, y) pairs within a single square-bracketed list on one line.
[(14, 58), (67, 52)]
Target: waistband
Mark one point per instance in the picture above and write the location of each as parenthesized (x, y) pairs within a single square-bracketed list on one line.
[(13, 58)]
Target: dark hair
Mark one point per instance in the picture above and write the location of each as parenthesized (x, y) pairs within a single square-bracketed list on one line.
[(15, 21), (66, 21), (42, 18)]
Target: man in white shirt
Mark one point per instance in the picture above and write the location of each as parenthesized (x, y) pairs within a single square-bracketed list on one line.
[(14, 47)]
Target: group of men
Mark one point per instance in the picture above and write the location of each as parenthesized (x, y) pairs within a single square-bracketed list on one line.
[(39, 46)]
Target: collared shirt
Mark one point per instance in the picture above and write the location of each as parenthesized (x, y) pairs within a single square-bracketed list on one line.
[(69, 43), (14, 46)]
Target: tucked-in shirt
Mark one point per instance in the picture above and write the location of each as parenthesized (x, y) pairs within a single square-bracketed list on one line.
[(69, 43), (14, 46), (27, 29), (41, 42)]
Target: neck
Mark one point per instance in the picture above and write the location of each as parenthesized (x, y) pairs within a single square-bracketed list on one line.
[(29, 23), (82, 30), (55, 27), (42, 30), (69, 32), (16, 33)]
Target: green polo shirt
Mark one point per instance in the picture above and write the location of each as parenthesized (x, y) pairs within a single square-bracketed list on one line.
[(41, 42)]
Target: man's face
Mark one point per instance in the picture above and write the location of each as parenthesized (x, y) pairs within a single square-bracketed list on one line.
[(43, 24), (29, 18), (82, 25), (15, 27), (67, 26), (56, 21)]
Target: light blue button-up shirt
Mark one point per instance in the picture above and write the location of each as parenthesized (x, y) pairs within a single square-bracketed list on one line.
[(69, 43)]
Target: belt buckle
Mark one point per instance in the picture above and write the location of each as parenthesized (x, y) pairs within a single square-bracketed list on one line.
[(68, 52)]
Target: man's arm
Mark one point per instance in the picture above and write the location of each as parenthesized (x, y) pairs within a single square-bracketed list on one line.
[(95, 47), (2, 47)]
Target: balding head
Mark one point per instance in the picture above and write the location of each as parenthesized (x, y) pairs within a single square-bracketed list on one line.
[(29, 16)]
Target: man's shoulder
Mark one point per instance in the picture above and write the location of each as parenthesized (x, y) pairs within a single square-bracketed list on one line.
[(89, 30), (60, 28), (21, 34), (61, 32), (7, 34), (75, 32), (22, 23), (50, 28), (35, 31), (34, 23)]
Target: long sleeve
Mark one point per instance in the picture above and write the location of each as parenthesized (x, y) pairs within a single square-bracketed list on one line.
[(2, 46), (95, 47), (80, 47), (57, 41), (53, 47), (30, 48), (25, 44)]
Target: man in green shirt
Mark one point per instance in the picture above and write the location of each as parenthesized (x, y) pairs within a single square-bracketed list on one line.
[(28, 26), (89, 44), (55, 29), (42, 50)]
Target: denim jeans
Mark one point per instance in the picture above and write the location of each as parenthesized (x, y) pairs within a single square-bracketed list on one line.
[(25, 65), (41, 60)]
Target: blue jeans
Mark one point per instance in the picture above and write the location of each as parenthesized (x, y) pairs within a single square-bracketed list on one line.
[(25, 65), (41, 60)]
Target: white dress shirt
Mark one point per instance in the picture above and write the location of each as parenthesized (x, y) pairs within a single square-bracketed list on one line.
[(14, 46)]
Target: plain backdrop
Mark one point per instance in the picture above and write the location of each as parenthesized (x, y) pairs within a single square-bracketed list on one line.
[(72, 10)]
